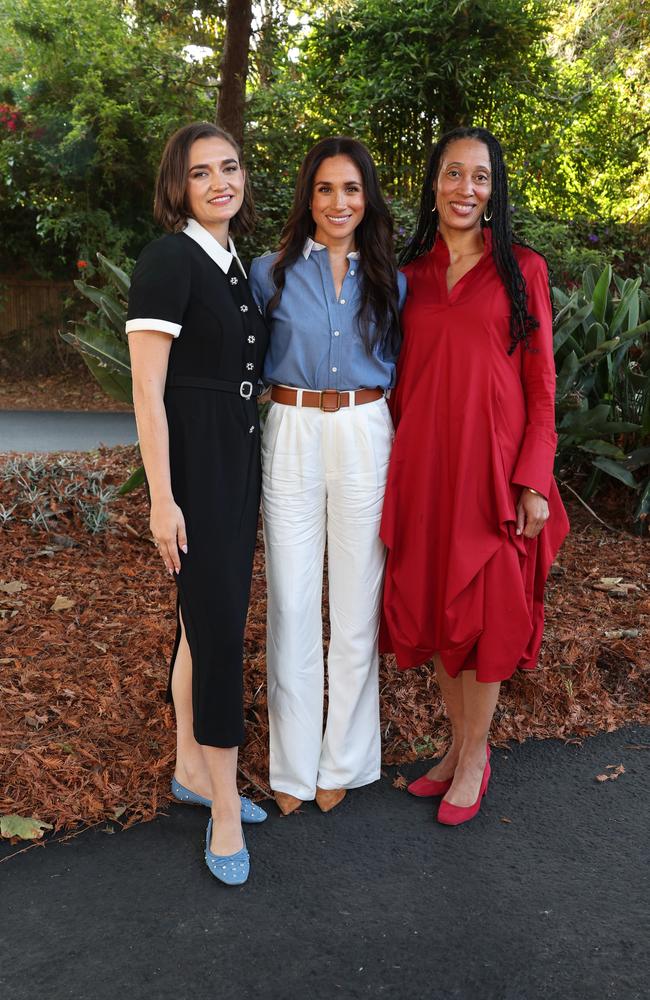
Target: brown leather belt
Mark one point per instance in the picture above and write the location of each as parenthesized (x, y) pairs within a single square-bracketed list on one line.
[(328, 400)]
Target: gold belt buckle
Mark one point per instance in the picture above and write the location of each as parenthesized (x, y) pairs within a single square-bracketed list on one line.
[(326, 396)]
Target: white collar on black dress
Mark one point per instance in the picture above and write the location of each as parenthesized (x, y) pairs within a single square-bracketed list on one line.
[(212, 247), (313, 245)]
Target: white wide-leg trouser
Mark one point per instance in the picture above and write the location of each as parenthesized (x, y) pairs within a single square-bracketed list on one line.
[(324, 476)]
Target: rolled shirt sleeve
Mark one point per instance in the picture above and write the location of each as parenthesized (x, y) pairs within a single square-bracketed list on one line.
[(160, 288)]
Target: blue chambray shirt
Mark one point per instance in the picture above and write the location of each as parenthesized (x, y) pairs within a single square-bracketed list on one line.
[(315, 341)]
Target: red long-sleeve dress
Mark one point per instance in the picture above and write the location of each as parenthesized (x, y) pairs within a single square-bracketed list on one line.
[(473, 426)]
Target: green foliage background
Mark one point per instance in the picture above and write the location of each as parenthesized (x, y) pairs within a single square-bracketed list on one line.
[(96, 86)]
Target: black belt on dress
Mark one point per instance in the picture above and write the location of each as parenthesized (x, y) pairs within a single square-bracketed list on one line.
[(244, 389)]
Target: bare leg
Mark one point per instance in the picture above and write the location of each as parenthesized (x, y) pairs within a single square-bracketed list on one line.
[(191, 767), (452, 693), (479, 703), (226, 806), (210, 771)]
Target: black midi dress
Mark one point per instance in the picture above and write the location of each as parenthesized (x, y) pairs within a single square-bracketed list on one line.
[(214, 452)]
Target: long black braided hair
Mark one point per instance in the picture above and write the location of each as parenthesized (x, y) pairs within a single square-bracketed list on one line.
[(521, 322)]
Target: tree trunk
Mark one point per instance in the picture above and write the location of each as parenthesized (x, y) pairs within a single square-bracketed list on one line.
[(234, 68)]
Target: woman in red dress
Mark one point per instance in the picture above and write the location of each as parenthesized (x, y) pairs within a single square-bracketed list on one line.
[(470, 486)]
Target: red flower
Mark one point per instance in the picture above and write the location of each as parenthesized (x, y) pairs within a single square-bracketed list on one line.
[(81, 264)]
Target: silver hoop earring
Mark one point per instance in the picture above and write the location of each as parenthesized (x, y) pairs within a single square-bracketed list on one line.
[(487, 217), (434, 208)]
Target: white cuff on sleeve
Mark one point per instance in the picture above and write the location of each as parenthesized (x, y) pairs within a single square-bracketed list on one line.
[(160, 325)]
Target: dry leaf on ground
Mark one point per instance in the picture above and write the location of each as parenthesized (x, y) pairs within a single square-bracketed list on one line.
[(23, 827)]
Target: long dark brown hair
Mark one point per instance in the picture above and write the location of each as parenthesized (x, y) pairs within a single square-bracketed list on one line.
[(170, 200), (378, 316), (521, 322)]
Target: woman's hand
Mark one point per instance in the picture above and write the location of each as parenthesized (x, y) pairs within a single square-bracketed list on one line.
[(168, 529), (532, 513)]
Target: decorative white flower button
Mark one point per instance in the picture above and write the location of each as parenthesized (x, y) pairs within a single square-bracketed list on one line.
[(251, 429), (250, 366), (234, 281), (251, 339), (243, 309)]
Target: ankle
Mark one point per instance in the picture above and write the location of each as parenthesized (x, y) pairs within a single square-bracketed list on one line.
[(189, 766), (227, 814), (473, 751)]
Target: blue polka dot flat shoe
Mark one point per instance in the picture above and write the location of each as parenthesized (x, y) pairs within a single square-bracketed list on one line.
[(231, 869), (250, 813)]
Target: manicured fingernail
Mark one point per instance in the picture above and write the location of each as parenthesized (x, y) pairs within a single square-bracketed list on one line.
[(171, 570), (184, 549), (518, 531)]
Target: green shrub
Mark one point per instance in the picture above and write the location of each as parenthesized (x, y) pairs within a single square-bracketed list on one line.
[(602, 354)]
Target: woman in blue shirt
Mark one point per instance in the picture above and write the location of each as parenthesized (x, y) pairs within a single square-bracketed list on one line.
[(332, 295)]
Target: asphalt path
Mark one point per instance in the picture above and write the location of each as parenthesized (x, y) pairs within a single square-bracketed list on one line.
[(63, 430), (544, 895)]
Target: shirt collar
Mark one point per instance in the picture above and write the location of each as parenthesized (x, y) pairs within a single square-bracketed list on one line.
[(212, 247), (313, 245)]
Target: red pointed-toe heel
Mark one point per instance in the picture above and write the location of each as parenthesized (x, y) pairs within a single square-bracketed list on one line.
[(452, 815), (428, 788), (425, 788)]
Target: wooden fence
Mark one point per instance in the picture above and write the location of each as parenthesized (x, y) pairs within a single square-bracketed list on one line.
[(32, 311), (31, 306)]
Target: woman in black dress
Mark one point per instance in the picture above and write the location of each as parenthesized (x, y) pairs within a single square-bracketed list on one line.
[(197, 344)]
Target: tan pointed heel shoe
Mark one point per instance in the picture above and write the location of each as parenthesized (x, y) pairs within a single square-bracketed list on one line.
[(327, 798), (287, 803)]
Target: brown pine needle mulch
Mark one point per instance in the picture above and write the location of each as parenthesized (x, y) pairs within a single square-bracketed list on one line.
[(87, 624)]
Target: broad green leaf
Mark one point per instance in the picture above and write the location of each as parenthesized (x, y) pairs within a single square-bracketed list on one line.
[(595, 336), (567, 305), (95, 295), (111, 308), (569, 324), (118, 277), (633, 312), (589, 278), (115, 313), (560, 298), (136, 479), (119, 387), (25, 827), (621, 310), (566, 375), (611, 345), (617, 471), (599, 297), (594, 423), (603, 448), (102, 345)]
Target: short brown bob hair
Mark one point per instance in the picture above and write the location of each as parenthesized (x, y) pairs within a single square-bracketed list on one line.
[(170, 202)]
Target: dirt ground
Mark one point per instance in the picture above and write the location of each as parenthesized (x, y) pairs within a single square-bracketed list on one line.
[(73, 390)]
